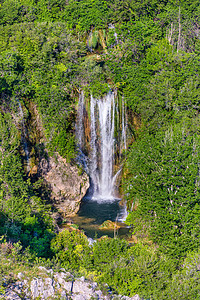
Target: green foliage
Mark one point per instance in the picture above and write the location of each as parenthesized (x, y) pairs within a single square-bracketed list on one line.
[(139, 270), (107, 250), (24, 215), (93, 40), (152, 58), (185, 282), (164, 188), (64, 142), (85, 14), (10, 12), (13, 190), (71, 248), (41, 62)]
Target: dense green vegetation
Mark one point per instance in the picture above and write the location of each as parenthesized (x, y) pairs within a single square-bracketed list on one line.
[(150, 52)]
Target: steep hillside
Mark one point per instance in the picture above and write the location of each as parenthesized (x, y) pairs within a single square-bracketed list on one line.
[(148, 54)]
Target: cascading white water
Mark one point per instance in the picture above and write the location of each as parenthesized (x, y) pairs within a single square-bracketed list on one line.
[(102, 146), (93, 144), (100, 161), (106, 112)]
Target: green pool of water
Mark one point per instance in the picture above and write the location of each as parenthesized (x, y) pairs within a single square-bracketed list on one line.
[(93, 213)]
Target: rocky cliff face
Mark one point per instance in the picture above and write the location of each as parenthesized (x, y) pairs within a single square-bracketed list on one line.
[(67, 183)]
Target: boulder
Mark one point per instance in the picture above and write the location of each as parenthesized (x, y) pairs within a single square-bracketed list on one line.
[(109, 225)]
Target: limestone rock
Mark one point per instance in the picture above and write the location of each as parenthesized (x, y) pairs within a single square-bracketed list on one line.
[(64, 280), (61, 285), (63, 296), (20, 275), (10, 295), (43, 269), (83, 288), (18, 288), (80, 297), (136, 297), (67, 184), (42, 288)]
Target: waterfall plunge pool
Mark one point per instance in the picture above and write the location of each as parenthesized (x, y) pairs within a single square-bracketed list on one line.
[(94, 213)]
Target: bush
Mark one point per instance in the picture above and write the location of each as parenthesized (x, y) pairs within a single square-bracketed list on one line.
[(71, 248)]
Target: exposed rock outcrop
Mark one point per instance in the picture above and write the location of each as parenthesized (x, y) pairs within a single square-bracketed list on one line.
[(68, 184), (58, 285)]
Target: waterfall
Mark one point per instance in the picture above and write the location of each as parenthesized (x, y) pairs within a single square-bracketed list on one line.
[(106, 108), (93, 144), (24, 137), (103, 115)]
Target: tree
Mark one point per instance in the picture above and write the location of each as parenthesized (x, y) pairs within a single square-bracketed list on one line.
[(13, 189), (164, 187)]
